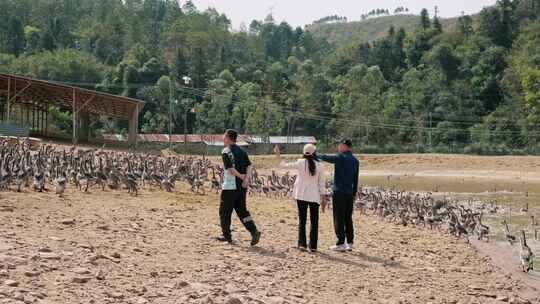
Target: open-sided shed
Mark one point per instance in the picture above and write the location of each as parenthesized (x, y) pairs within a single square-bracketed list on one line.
[(34, 97)]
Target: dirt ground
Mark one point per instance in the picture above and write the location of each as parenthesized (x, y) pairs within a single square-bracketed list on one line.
[(158, 248), (421, 162), (108, 247)]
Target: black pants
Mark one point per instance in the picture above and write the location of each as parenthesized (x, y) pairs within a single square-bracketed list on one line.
[(343, 223), (302, 221), (234, 200)]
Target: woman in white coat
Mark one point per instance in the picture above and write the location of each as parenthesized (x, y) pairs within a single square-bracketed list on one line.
[(309, 193)]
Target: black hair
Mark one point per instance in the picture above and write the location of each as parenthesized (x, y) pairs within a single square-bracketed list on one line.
[(346, 142), (312, 166), (232, 134)]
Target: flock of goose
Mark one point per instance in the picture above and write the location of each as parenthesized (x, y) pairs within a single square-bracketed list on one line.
[(461, 218), (21, 167)]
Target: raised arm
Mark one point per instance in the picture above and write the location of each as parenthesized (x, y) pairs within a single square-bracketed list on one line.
[(328, 158), (283, 164), (355, 189)]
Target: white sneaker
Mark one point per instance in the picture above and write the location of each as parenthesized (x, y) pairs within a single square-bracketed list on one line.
[(339, 248), (349, 247)]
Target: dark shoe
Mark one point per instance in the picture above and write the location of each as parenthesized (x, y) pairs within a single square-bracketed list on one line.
[(256, 237), (313, 250), (224, 239)]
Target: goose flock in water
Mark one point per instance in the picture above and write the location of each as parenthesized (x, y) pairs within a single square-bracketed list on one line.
[(21, 167)]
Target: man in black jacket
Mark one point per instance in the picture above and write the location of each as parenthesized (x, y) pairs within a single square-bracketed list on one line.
[(234, 189), (345, 189)]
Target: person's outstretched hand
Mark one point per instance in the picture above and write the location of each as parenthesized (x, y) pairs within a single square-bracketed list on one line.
[(277, 151)]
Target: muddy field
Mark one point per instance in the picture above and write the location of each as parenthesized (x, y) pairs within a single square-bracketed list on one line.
[(108, 247)]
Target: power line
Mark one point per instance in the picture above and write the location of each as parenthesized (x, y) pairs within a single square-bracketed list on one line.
[(324, 116), (402, 127), (380, 125), (468, 121), (211, 92)]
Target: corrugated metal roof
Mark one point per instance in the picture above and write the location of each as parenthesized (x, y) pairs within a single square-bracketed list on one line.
[(221, 144), (217, 140), (114, 137), (161, 137), (283, 140), (31, 90)]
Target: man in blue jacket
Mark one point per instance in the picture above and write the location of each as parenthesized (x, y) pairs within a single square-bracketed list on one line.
[(345, 188)]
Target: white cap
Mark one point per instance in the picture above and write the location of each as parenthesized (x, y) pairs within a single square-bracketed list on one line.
[(309, 149)]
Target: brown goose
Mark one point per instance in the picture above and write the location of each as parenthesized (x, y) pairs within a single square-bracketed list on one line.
[(509, 236), (526, 254)]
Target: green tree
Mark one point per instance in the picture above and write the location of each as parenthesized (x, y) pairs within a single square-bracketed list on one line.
[(15, 42), (156, 111), (249, 95), (32, 36), (531, 86), (443, 56), (47, 41), (437, 26), (465, 25), (64, 65), (266, 120), (486, 77), (425, 22), (130, 79), (494, 24)]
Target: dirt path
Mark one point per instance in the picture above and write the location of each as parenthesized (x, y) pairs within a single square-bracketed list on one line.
[(506, 257), (158, 248)]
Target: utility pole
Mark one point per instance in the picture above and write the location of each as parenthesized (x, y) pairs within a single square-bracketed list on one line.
[(367, 132), (172, 80), (367, 135), (185, 132), (430, 129), (171, 101), (187, 81)]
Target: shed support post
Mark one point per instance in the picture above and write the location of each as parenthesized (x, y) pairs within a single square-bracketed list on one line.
[(74, 116), (84, 127), (46, 134), (133, 127), (27, 122), (8, 105)]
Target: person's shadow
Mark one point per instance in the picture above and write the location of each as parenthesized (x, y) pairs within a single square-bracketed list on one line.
[(379, 260), (267, 253), (348, 259), (335, 259)]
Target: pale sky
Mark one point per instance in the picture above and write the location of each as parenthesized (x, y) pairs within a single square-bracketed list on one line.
[(302, 12)]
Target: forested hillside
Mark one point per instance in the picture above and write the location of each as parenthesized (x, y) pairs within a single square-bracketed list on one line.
[(367, 30), (472, 88)]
